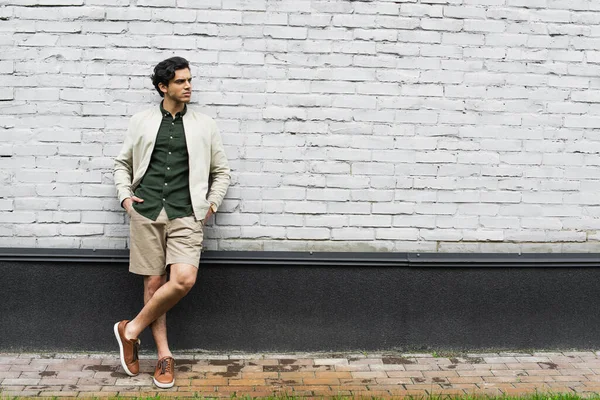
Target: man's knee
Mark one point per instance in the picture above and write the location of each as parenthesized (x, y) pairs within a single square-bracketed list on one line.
[(183, 277), (185, 282), (153, 283)]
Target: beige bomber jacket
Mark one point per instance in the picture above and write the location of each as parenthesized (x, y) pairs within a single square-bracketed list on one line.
[(205, 151)]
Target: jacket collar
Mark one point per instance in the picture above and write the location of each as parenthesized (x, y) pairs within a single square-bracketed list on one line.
[(165, 113)]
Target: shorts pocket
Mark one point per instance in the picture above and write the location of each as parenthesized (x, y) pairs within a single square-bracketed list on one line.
[(197, 231)]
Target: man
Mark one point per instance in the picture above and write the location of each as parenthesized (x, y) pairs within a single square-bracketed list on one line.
[(162, 178)]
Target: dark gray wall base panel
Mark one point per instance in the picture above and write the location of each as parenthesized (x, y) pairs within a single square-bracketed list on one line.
[(68, 300)]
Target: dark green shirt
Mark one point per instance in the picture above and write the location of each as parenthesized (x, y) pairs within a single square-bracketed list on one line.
[(166, 183)]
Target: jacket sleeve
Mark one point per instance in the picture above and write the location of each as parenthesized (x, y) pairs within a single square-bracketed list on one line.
[(219, 169), (123, 170)]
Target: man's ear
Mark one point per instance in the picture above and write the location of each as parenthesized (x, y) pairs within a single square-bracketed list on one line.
[(163, 88)]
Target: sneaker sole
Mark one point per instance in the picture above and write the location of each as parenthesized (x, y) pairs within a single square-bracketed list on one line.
[(163, 385), (121, 355)]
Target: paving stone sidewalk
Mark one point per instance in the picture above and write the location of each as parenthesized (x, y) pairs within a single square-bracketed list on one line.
[(303, 374)]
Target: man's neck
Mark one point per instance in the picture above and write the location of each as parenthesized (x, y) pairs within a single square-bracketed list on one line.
[(173, 106)]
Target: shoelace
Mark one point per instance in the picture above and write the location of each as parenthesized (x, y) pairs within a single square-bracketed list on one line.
[(165, 366)]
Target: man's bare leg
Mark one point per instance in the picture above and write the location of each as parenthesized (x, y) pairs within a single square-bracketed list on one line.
[(159, 327), (183, 278)]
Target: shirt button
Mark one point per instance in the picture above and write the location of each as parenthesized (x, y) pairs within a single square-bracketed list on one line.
[(165, 183), (169, 152), (172, 123), (164, 200), (171, 137), (168, 167)]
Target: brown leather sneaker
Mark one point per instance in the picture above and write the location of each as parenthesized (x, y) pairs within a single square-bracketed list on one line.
[(128, 348), (164, 374)]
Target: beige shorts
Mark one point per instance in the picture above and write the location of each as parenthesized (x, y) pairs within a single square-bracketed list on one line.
[(158, 244)]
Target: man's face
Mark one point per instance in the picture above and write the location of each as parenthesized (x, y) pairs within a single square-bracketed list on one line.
[(180, 87)]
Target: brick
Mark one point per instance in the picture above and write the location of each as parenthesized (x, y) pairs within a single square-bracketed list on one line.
[(157, 3), (17, 381), (105, 27), (18, 217), (368, 375), (209, 381), (246, 382), (37, 94), (9, 374), (322, 381), (286, 32), (128, 14)]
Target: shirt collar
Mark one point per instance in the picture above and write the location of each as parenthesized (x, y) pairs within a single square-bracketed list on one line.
[(165, 113)]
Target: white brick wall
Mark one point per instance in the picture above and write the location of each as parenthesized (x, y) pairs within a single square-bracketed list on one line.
[(411, 125)]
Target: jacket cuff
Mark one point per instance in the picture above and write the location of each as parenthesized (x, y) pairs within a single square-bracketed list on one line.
[(214, 200), (125, 194)]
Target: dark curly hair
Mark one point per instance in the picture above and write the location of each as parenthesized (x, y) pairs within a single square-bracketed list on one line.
[(165, 71)]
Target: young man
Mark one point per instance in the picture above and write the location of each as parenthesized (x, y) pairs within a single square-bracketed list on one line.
[(162, 178)]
